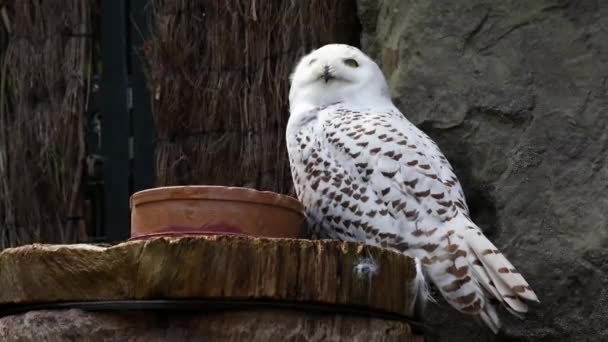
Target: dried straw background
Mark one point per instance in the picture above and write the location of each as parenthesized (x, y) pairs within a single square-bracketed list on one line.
[(44, 61), (219, 77)]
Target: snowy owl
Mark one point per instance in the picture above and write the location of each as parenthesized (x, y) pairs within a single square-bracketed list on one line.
[(365, 173)]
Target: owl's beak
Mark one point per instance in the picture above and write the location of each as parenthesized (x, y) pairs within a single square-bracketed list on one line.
[(327, 75)]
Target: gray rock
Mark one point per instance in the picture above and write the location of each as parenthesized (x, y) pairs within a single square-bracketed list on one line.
[(516, 95)]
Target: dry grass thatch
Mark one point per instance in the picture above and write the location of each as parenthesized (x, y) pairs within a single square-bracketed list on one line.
[(44, 60), (218, 74)]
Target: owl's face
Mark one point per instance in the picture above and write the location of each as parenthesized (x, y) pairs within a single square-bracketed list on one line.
[(336, 73)]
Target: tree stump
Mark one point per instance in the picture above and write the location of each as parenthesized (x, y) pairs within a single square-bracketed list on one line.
[(209, 288)]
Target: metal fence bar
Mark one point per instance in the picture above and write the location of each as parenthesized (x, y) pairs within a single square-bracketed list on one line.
[(115, 120), (144, 134)]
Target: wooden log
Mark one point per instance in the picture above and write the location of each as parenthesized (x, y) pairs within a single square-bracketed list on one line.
[(220, 268)]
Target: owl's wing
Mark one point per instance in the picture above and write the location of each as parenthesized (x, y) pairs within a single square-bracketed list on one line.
[(337, 204), (416, 184), (400, 163)]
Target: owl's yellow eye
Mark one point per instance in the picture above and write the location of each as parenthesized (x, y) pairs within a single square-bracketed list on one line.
[(351, 62)]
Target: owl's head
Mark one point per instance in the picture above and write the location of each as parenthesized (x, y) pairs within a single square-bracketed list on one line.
[(337, 73)]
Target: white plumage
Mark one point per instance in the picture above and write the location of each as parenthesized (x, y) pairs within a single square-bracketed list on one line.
[(365, 173)]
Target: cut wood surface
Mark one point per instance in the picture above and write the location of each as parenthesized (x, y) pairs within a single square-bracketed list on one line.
[(213, 267)]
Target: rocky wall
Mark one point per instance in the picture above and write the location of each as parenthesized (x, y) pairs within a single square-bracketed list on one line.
[(516, 95)]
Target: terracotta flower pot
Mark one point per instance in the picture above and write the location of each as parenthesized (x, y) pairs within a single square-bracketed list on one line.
[(188, 210)]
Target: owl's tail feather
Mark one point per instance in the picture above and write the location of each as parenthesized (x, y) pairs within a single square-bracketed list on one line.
[(497, 275), (489, 317)]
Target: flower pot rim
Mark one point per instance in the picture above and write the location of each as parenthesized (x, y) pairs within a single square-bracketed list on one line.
[(216, 192)]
